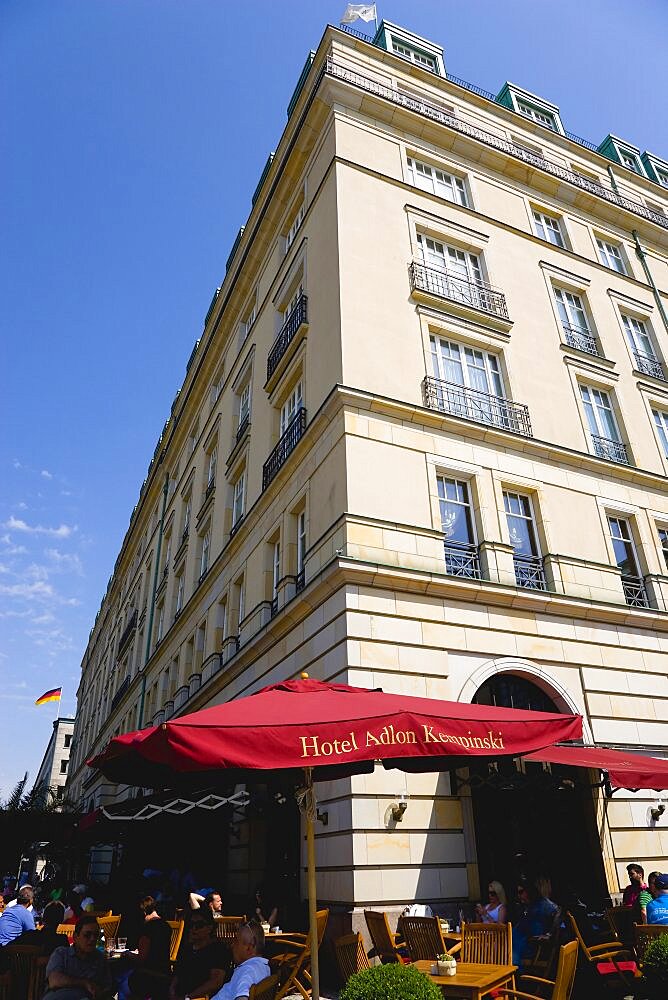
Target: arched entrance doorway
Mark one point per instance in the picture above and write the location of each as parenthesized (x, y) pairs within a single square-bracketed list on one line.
[(531, 818)]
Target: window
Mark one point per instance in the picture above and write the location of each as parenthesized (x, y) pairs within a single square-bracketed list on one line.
[(626, 561), (241, 601), (455, 262), (522, 531), (419, 58), (294, 228), (211, 470), (168, 554), (605, 437), (548, 228), (187, 513), (461, 556), (661, 421), (301, 549), (180, 590), (611, 255), (429, 178), (663, 541), (464, 282), (192, 440), (642, 348), (294, 300), (251, 316), (275, 575), (68, 740), (63, 767), (629, 160), (239, 499), (291, 407), (206, 552), (466, 366), (661, 177), (160, 630), (574, 321), (244, 405), (60, 792), (542, 117)]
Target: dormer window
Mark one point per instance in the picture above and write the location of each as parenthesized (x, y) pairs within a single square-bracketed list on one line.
[(414, 56), (629, 161), (623, 152), (542, 117)]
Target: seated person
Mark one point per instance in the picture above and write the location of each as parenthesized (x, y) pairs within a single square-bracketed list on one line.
[(251, 967), (17, 919), (264, 910), (203, 963), (149, 972), (495, 911), (47, 940), (212, 899), (79, 971), (657, 908), (537, 917), (73, 908)]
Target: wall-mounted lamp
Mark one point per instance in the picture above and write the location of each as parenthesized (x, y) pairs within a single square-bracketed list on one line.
[(322, 817), (657, 811), (398, 809)]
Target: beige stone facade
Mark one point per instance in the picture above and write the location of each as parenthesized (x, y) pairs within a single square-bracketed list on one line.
[(372, 343)]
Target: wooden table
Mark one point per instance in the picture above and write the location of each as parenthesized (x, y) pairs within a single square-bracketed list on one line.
[(472, 980)]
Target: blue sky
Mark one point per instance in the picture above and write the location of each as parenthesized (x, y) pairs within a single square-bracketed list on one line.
[(132, 135)]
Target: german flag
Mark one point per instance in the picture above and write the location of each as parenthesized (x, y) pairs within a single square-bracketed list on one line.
[(52, 695)]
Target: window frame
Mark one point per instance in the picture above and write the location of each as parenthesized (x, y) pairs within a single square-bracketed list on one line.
[(467, 506), (414, 56), (530, 519), (550, 224), (630, 542), (604, 252), (595, 411), (239, 498), (296, 397), (535, 114), (492, 371), (205, 554), (452, 182), (663, 544)]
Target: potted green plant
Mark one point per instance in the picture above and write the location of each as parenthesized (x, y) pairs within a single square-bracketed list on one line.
[(655, 968), (390, 982), (447, 964)]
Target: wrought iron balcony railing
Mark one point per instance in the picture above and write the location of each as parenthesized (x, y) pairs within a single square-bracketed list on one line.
[(274, 606), (439, 114), (286, 444), (462, 560), (300, 581), (612, 451), (210, 487), (298, 316), (529, 572), (634, 591), (473, 404), (122, 688), (477, 294), (581, 340), (648, 365)]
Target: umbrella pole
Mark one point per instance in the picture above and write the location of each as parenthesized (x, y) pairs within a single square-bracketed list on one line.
[(309, 812)]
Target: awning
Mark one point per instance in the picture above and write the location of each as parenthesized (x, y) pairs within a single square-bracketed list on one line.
[(625, 769)]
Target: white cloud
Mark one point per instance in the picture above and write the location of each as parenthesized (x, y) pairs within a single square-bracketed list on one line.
[(17, 464), (65, 562), (4, 568), (16, 524), (46, 474), (39, 590), (21, 505), (36, 572)]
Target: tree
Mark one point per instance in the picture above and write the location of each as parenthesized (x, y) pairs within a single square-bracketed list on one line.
[(16, 798)]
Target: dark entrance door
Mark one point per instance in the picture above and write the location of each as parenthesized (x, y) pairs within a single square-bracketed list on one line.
[(534, 819)]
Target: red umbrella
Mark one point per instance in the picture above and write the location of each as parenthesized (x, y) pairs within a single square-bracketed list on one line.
[(625, 769), (327, 730)]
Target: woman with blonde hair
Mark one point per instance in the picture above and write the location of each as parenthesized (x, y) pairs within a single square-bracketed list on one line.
[(495, 911)]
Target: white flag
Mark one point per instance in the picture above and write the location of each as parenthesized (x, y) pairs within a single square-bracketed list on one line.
[(363, 11)]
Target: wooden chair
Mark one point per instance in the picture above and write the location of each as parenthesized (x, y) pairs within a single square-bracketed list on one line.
[(37, 985), (67, 929), (350, 955), (177, 934), (109, 925), (545, 949), (98, 913), (643, 934), (607, 957), (265, 990), (487, 944), (296, 963), (22, 958), (384, 941), (620, 920), (562, 984), (227, 927), (5, 985), (423, 937)]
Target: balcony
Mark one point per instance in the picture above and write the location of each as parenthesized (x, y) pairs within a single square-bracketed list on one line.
[(274, 607), (128, 632), (300, 581), (611, 451), (634, 591), (529, 572), (297, 318), (286, 445), (210, 487), (580, 340), (648, 365), (475, 405), (474, 294), (244, 424), (120, 692), (462, 560)]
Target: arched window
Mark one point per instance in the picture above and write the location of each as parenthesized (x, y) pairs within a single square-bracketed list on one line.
[(511, 691)]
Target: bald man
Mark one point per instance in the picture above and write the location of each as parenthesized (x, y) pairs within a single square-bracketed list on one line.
[(251, 966)]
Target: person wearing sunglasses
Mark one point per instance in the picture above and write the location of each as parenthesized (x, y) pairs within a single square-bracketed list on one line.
[(80, 971), (251, 966), (495, 910), (204, 962)]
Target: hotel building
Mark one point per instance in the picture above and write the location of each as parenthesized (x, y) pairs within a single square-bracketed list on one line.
[(421, 444)]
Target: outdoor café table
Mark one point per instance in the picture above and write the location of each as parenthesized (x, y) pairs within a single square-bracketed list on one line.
[(472, 980)]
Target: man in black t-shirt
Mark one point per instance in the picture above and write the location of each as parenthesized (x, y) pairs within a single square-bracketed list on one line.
[(205, 961)]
